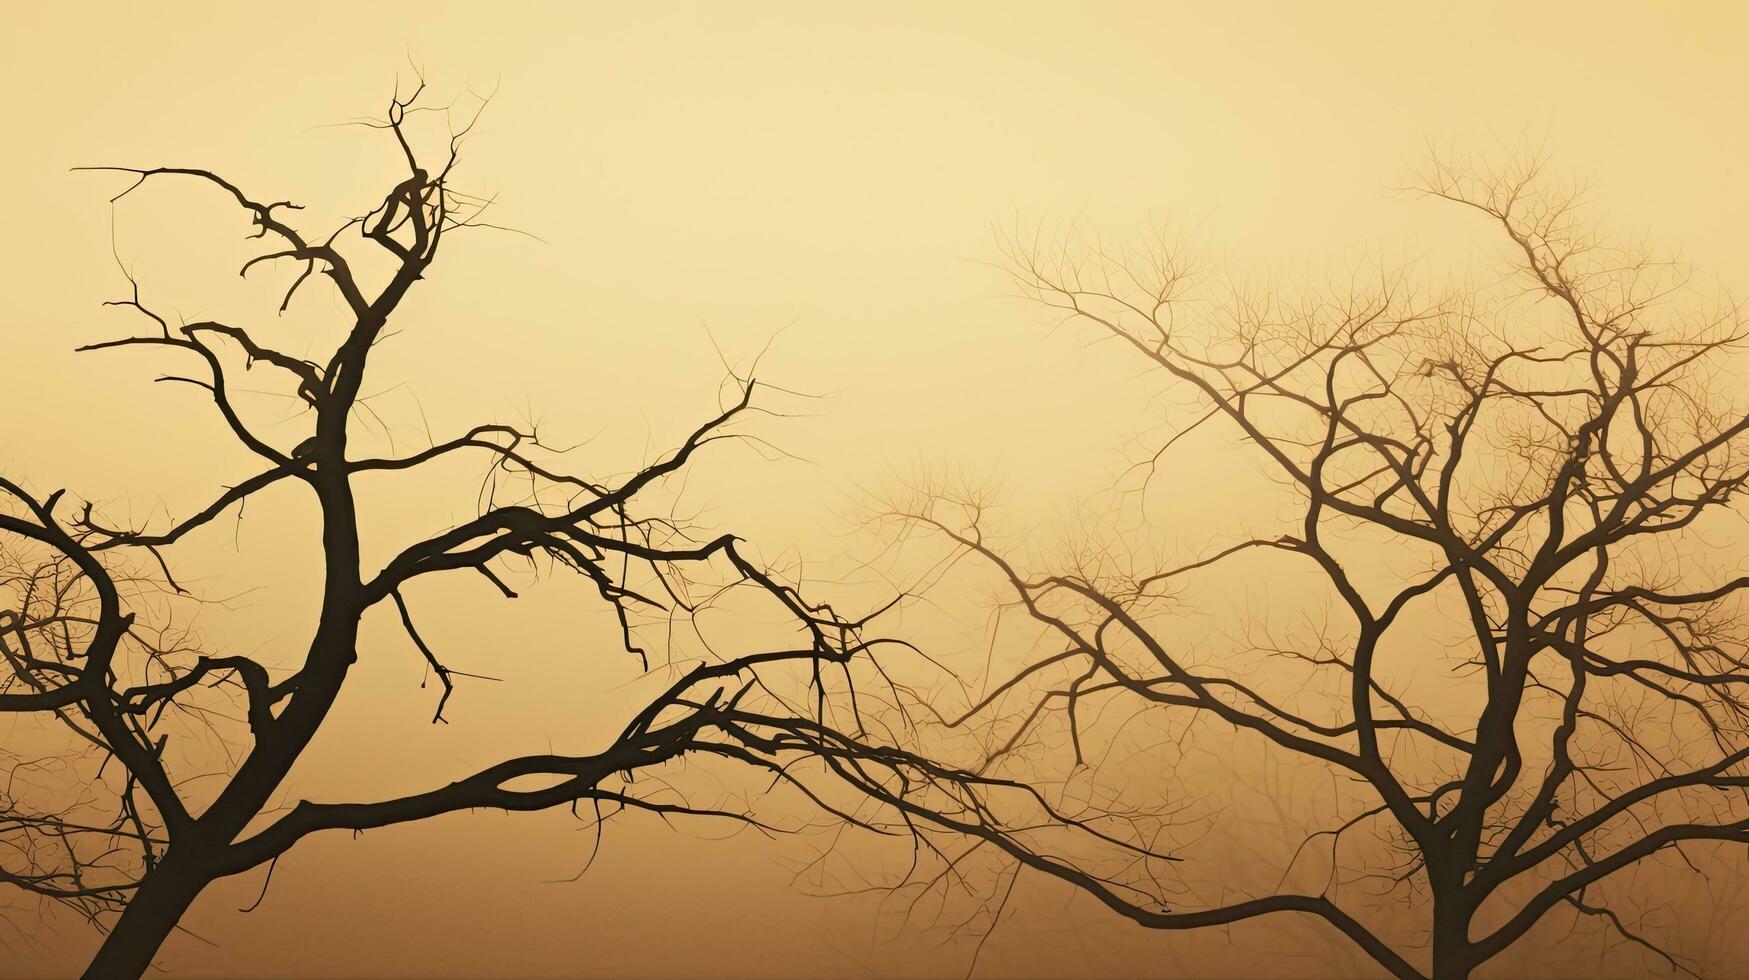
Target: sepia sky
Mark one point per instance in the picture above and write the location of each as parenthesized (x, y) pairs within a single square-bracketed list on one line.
[(820, 177)]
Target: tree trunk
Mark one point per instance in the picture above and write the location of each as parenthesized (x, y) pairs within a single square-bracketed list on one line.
[(164, 895), (1453, 959), (1450, 968)]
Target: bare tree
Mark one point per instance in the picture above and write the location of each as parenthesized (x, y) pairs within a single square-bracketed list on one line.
[(130, 840), (1531, 683)]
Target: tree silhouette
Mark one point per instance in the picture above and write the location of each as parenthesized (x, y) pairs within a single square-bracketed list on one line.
[(1531, 682), (130, 840)]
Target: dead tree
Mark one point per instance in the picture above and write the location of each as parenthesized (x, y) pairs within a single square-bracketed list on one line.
[(131, 844), (1519, 502)]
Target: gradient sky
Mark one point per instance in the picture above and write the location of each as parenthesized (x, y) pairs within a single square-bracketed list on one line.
[(827, 175)]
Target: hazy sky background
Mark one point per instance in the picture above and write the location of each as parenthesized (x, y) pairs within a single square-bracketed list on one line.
[(738, 168)]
